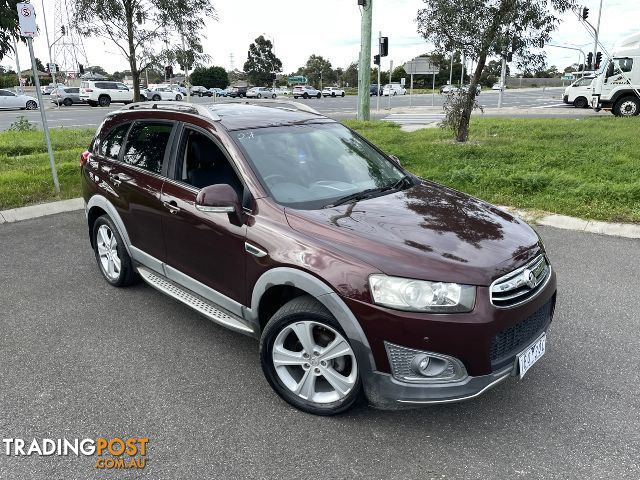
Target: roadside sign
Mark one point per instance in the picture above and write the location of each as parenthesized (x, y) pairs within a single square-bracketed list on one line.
[(27, 20), (297, 79), (403, 81), (569, 76), (420, 66), (52, 67)]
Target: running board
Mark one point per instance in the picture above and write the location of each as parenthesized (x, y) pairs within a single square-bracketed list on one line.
[(208, 309)]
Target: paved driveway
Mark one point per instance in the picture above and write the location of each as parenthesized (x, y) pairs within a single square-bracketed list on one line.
[(80, 359)]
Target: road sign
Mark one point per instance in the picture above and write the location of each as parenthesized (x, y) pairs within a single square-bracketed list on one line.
[(569, 76), (420, 66), (27, 20), (297, 79), (52, 67)]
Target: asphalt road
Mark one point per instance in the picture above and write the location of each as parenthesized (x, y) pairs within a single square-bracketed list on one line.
[(81, 359), (545, 103)]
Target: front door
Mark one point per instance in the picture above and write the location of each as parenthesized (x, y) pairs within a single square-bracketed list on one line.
[(205, 247)]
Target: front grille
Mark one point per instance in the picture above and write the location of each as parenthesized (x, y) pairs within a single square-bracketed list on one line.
[(514, 339), (522, 284)]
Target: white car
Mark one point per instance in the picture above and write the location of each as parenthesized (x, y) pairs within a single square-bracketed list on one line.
[(306, 91), (393, 89), (497, 86), (260, 92), (578, 93), (105, 93), (332, 92), (161, 93), (282, 91), (9, 99)]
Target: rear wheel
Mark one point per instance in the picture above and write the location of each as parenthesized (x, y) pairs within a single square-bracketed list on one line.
[(179, 97), (155, 98), (318, 95), (333, 94), (67, 102), (273, 95), (259, 95), (342, 94), (308, 360), (104, 101), (627, 107), (31, 105), (111, 254), (305, 95), (581, 102)]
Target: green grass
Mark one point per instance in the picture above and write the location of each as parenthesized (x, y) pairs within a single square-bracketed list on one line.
[(25, 176), (588, 168)]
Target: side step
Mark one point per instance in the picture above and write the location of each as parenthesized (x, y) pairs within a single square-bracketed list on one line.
[(206, 308)]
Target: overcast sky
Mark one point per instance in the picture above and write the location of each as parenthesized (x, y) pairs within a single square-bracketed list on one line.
[(331, 28)]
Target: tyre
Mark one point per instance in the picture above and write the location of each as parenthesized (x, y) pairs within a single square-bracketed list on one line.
[(305, 95), (179, 97), (318, 95), (333, 94), (111, 254), (67, 102), (104, 101), (259, 95), (295, 98), (308, 360), (581, 102), (627, 107), (273, 96), (31, 105), (155, 98), (342, 94)]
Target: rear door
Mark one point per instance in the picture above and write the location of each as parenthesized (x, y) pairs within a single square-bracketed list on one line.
[(134, 175)]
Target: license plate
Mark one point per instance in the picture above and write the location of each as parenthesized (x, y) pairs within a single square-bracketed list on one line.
[(532, 354)]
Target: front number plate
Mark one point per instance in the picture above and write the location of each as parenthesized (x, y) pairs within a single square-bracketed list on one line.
[(531, 355)]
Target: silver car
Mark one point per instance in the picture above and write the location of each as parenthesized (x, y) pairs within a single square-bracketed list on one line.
[(66, 96)]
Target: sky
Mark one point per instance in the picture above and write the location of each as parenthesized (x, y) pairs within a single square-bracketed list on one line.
[(331, 28)]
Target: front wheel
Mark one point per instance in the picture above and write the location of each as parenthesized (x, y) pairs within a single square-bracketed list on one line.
[(308, 360), (67, 102), (333, 94), (627, 107), (580, 102), (273, 96), (305, 95), (178, 97), (104, 101), (111, 254), (31, 105), (318, 95), (155, 98), (259, 95), (342, 94)]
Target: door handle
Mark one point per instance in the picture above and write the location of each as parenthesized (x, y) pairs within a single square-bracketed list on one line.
[(115, 179), (172, 206)]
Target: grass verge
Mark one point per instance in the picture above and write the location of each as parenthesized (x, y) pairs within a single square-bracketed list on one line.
[(588, 168)]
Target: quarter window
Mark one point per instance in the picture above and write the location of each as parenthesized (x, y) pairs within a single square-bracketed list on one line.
[(111, 144), (146, 145)]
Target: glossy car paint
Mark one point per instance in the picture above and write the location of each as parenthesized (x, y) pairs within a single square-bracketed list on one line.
[(426, 232)]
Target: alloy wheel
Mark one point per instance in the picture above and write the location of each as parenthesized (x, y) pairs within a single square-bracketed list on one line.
[(629, 108), (108, 253), (31, 105), (315, 362)]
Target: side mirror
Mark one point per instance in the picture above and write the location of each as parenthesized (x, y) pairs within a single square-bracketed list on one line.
[(221, 198)]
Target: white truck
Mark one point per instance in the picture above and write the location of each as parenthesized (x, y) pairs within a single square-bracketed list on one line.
[(617, 87)]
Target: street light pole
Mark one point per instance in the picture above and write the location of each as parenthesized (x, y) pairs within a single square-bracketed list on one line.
[(364, 70), (451, 70), (15, 49), (595, 47), (46, 31)]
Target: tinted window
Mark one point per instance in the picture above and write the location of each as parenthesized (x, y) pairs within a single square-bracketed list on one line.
[(146, 145), (73, 90), (4, 93), (111, 144)]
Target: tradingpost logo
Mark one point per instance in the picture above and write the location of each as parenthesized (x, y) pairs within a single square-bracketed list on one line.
[(111, 453)]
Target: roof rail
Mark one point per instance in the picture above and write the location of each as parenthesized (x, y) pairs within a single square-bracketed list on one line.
[(184, 107), (273, 103)]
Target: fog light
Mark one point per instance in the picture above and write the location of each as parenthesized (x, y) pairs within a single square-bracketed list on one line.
[(428, 366)]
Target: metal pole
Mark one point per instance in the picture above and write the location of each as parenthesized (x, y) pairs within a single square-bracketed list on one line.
[(45, 127), (411, 89), (15, 49), (186, 71), (364, 71), (46, 31), (462, 72), (379, 68), (433, 91), (390, 71), (451, 70), (595, 47), (502, 80)]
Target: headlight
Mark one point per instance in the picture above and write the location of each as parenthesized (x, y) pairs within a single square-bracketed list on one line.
[(421, 295)]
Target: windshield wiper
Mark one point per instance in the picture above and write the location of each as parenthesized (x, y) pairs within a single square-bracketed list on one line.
[(369, 192)]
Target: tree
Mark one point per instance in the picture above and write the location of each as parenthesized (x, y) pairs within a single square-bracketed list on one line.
[(318, 70), (39, 66), (211, 77), (481, 28), (138, 28), (492, 73), (8, 25), (350, 75), (398, 73), (261, 62), (97, 69)]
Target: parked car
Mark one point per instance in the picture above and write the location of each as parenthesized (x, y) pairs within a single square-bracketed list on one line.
[(357, 277), (200, 92), (260, 92), (306, 91), (105, 93), (283, 91), (466, 88), (239, 92), (218, 92), (161, 93), (11, 100), (375, 90), (497, 86), (448, 88), (393, 89), (47, 89), (332, 92), (578, 93), (66, 96)]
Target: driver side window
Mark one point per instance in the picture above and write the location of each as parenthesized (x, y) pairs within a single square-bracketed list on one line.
[(201, 162)]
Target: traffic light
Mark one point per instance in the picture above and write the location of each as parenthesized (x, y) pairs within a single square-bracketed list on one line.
[(510, 57), (598, 60), (376, 60), (168, 71), (63, 30), (589, 60), (585, 13), (384, 46), (81, 68)]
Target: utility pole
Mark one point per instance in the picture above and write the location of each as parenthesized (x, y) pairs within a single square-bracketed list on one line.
[(15, 49), (390, 88), (364, 70), (451, 70), (462, 71), (595, 47), (503, 74), (379, 68), (46, 31), (186, 71)]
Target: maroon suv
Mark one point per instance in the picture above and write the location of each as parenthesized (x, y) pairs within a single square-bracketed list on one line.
[(356, 276)]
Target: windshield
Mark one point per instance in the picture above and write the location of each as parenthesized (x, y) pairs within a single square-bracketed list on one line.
[(314, 165)]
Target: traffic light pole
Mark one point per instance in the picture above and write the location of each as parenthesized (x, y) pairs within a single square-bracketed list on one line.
[(379, 68), (595, 47), (364, 70)]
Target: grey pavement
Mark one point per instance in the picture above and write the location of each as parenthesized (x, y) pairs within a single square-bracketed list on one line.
[(525, 102), (79, 359)]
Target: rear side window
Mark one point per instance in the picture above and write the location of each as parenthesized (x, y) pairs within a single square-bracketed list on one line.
[(146, 145), (112, 143)]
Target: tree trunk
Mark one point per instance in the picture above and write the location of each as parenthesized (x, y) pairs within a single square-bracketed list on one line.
[(462, 134), (133, 63)]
